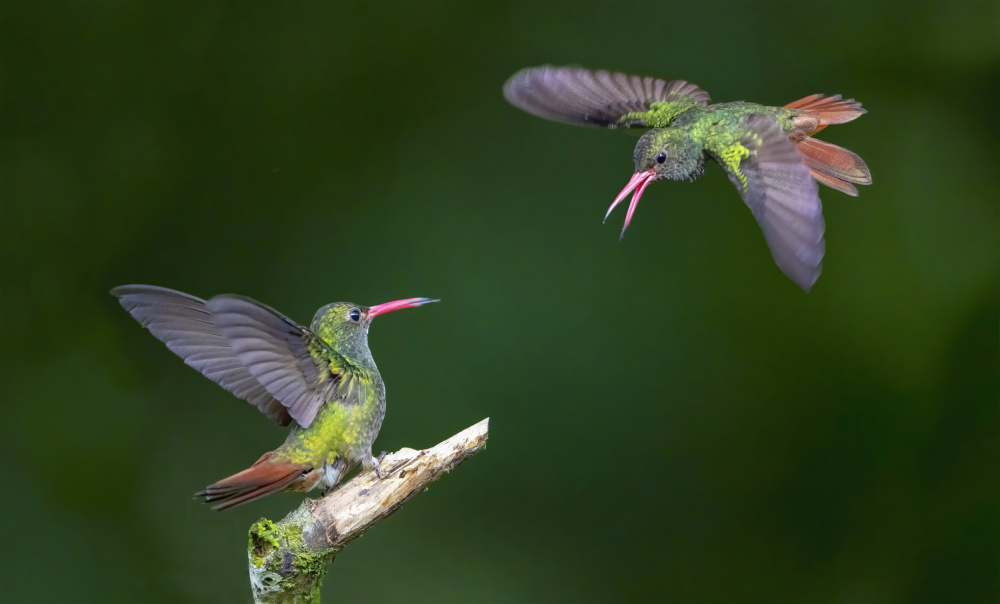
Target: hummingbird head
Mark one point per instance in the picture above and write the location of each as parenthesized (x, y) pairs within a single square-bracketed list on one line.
[(345, 324), (660, 153)]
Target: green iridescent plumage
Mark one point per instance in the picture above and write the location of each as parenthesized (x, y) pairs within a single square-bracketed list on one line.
[(350, 381), (767, 152), (323, 378)]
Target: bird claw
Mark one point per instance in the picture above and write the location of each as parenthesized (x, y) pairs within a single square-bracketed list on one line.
[(377, 461)]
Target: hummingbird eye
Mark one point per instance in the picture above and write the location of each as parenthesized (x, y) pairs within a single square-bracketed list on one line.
[(661, 157), (354, 315)]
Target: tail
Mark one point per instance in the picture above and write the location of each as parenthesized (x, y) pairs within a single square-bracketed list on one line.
[(831, 165), (262, 478)]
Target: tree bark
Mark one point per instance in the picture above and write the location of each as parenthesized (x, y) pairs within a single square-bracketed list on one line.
[(288, 559)]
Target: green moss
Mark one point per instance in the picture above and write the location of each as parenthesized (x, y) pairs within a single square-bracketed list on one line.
[(316, 564), (271, 542), (266, 530), (294, 535), (264, 536), (309, 565)]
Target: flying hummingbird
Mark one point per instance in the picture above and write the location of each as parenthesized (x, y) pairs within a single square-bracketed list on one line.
[(323, 377), (768, 152)]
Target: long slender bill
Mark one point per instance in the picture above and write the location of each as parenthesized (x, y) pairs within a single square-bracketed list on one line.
[(635, 201), (638, 183), (379, 309)]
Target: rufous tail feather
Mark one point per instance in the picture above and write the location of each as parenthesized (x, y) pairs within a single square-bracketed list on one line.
[(262, 478), (826, 110), (834, 166), (834, 183), (830, 165)]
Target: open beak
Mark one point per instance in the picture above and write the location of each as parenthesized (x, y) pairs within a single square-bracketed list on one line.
[(380, 309), (639, 182)]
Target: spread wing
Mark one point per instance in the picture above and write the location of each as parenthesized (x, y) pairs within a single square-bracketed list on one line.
[(775, 183), (601, 98), (250, 349)]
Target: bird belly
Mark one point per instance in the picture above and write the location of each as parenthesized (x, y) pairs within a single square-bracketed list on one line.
[(339, 436)]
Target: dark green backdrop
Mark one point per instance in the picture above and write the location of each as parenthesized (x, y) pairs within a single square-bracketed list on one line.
[(672, 419)]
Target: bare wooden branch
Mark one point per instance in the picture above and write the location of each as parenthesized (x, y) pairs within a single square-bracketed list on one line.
[(288, 559)]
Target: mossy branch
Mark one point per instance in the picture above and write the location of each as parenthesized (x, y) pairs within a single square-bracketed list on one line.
[(288, 559)]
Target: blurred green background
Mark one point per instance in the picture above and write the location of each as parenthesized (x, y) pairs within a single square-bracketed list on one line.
[(672, 418)]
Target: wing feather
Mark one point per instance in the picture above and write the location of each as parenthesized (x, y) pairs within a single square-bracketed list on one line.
[(248, 348), (600, 98), (782, 195), (184, 324), (278, 352)]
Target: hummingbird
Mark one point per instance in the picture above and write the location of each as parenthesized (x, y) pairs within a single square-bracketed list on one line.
[(769, 153), (321, 379)]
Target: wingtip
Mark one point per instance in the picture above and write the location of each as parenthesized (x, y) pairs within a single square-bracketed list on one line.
[(123, 290), (806, 282)]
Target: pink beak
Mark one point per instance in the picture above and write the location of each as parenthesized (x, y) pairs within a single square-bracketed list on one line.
[(380, 309), (639, 182)]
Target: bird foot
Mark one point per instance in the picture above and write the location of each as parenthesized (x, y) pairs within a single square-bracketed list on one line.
[(377, 461)]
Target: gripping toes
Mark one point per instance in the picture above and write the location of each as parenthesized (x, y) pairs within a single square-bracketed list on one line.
[(377, 463)]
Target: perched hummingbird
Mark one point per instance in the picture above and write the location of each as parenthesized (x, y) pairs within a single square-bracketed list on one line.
[(768, 152), (323, 377)]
